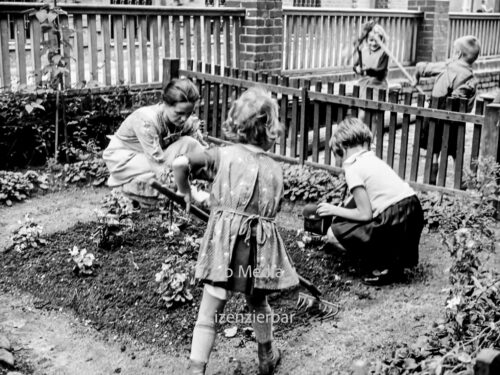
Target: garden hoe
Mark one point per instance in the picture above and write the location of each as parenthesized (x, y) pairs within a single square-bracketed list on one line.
[(316, 307)]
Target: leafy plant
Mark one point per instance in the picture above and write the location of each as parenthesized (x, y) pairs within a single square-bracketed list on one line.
[(114, 220), (84, 261), (16, 186), (176, 281), (90, 168), (28, 235), (308, 184)]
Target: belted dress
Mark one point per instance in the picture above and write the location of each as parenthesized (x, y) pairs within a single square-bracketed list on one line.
[(242, 249)]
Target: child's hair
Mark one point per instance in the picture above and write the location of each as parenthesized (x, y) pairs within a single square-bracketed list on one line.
[(469, 48), (379, 30), (253, 119), (180, 90), (350, 132)]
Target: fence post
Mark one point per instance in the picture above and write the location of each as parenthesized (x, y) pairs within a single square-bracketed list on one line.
[(261, 39), (490, 135), (170, 70), (432, 41)]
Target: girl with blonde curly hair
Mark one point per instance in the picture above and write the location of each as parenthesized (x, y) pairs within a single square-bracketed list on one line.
[(241, 250)]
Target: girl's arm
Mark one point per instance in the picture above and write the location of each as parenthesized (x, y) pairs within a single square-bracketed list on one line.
[(362, 212), (198, 165), (181, 169)]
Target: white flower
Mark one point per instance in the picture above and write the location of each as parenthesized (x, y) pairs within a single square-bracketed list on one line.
[(453, 302)]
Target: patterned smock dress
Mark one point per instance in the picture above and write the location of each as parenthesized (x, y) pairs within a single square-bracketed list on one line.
[(242, 249)]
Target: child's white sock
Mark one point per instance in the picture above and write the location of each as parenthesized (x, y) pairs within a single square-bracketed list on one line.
[(204, 330)]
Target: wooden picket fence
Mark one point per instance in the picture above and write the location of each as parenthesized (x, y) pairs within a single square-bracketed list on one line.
[(323, 38), (309, 115), (485, 26), (113, 45)]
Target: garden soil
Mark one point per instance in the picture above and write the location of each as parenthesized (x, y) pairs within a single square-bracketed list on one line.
[(115, 322)]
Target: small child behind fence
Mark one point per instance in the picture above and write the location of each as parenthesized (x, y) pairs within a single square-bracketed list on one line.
[(371, 61), (454, 79), (382, 224), (241, 250)]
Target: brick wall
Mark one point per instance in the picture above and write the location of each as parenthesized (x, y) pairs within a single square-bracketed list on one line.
[(433, 31), (261, 40)]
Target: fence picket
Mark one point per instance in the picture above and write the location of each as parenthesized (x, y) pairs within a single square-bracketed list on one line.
[(4, 52), (415, 160), (368, 112), (106, 38), (284, 116), (393, 117), (328, 125), (142, 36), (443, 162), (155, 47), (304, 131), (92, 34), (459, 160), (430, 143), (316, 136), (166, 35), (216, 45), (226, 41), (206, 102), (355, 94), (225, 96), (405, 130), (293, 125), (118, 31), (476, 137), (176, 35), (131, 48), (379, 126), (20, 37), (215, 104)]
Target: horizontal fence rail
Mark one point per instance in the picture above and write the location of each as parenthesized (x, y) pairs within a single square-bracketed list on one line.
[(324, 38), (309, 115), (112, 45), (485, 26)]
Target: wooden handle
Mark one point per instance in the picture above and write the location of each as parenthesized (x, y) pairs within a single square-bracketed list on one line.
[(401, 67)]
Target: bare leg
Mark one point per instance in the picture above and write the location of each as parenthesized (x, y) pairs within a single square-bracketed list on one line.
[(332, 240)]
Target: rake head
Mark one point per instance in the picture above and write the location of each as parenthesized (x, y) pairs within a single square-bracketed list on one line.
[(317, 308)]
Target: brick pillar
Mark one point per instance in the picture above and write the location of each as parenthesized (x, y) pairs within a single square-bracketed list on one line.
[(261, 39), (432, 38)]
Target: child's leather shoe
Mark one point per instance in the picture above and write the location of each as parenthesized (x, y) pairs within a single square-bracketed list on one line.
[(196, 367), (269, 358)]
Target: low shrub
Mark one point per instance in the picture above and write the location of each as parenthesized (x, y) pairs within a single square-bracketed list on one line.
[(17, 186), (312, 185), (176, 281), (84, 261), (28, 235), (114, 220)]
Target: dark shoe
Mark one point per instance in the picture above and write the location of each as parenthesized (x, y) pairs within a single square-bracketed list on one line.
[(197, 368), (378, 278), (269, 358)]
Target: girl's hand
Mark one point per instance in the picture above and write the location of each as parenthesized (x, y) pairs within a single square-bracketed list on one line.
[(187, 198), (358, 69), (326, 209)]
